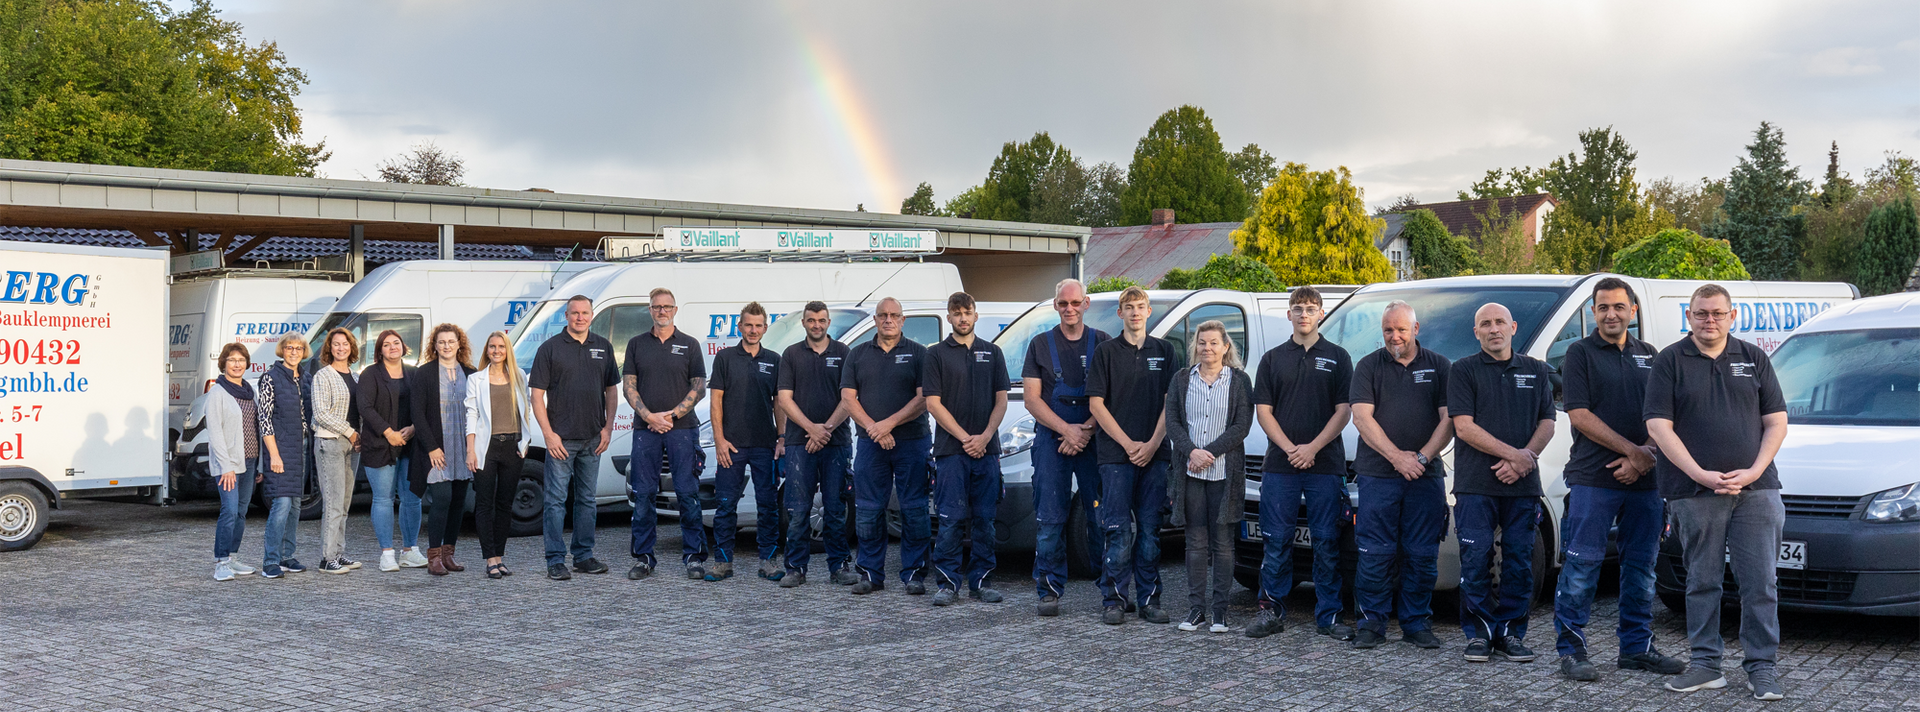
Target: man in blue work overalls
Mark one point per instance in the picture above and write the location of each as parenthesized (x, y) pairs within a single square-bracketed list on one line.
[(1055, 383)]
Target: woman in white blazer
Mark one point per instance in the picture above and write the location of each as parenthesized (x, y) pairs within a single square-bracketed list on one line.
[(233, 449), (500, 426)]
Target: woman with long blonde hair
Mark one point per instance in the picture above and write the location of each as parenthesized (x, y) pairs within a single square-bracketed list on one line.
[(500, 426)]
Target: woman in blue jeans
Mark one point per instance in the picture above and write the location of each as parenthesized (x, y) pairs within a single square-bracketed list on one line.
[(282, 412), (386, 425), (233, 452)]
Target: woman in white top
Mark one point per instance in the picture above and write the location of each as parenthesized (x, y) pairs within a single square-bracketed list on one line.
[(233, 451), (336, 444), (500, 425), (1209, 411)]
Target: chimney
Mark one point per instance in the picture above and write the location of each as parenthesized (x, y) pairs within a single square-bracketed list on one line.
[(1162, 216)]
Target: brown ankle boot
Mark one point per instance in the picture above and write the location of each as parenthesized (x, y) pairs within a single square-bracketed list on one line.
[(436, 565), (446, 559)]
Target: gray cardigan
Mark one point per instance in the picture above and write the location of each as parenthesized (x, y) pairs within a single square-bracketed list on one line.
[(1231, 445)]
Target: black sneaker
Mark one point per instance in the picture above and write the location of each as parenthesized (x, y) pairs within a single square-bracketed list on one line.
[(292, 566), (1196, 617), (1652, 661), (916, 588), (1049, 606), (1511, 648), (330, 566), (1265, 623), (1422, 638), (590, 566), (1576, 668), (985, 595), (1114, 615), (558, 572), (1154, 614), (1478, 651), (795, 578), (1367, 639), (1337, 631), (865, 587), (639, 571)]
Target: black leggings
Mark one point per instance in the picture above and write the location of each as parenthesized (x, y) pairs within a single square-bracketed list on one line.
[(449, 498), (493, 489)]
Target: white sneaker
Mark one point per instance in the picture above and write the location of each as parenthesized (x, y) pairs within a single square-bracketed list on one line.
[(239, 569), (1217, 628), (412, 559), (386, 561), (222, 571)]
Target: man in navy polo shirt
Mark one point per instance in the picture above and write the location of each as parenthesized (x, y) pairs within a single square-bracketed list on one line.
[(1610, 475), (881, 390), (817, 447), (746, 433), (1501, 403), (1400, 408), (1127, 392), (965, 384), (575, 388), (664, 376), (1055, 381), (1300, 398), (1716, 412)]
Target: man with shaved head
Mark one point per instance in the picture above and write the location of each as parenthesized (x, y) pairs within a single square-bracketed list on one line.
[(1501, 404), (881, 391)]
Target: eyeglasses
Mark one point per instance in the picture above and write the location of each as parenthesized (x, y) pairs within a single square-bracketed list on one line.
[(1704, 315), (662, 307), (1304, 310), (1062, 303)]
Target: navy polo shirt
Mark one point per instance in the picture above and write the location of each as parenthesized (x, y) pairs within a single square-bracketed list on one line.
[(1303, 385), (663, 372), (886, 381), (1406, 403), (1508, 399), (814, 379), (746, 384), (1076, 356), (1716, 405), (1610, 381), (576, 376), (1133, 381), (965, 378)]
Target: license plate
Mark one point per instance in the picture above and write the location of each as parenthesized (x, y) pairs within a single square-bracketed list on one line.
[(1302, 537), (1792, 555)]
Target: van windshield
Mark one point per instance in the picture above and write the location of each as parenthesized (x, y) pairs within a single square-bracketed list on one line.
[(1445, 315), (364, 327), (549, 319), (1103, 313), (1860, 377), (788, 329)]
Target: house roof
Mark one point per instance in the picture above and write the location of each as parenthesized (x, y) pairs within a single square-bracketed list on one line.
[(1145, 252), (1395, 221), (294, 249), (1462, 217)]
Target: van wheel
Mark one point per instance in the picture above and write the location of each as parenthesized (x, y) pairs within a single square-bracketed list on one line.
[(23, 516), (1082, 562), (529, 500), (311, 504), (1546, 579)]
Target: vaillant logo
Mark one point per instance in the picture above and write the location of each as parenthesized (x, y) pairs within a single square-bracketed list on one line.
[(804, 239), (710, 238), (893, 241)]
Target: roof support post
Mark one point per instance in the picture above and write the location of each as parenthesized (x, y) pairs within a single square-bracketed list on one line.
[(356, 252), (446, 242)]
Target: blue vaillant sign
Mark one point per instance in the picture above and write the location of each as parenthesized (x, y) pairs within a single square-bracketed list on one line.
[(756, 239)]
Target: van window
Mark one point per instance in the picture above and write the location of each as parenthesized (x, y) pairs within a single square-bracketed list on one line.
[(1445, 315), (548, 319), (789, 330), (1228, 314), (619, 325), (1861, 377), (924, 330), (1103, 313), (365, 327), (1578, 326)]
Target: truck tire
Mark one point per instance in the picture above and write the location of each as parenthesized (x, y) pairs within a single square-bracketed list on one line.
[(1083, 559), (23, 516), (529, 499)]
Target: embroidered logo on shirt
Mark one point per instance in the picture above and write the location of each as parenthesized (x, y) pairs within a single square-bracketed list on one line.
[(1741, 369), (1642, 361), (765, 367), (596, 354), (1523, 380), (1424, 375), (983, 357), (679, 349), (833, 362), (1153, 362), (903, 358)]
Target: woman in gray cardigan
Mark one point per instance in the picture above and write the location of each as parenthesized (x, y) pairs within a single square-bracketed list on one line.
[(1209, 411)]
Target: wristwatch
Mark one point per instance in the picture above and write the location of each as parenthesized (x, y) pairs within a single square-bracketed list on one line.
[(1422, 458)]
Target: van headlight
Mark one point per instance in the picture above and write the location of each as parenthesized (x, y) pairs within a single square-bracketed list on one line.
[(706, 435), (1017, 439), (1900, 504)]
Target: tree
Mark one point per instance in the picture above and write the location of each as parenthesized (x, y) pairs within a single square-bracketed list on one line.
[(1402, 204), (426, 164), (1505, 183), (1236, 272), (921, 202), (1838, 188), (1890, 250), (1059, 194), (1762, 193), (1180, 164), (1504, 248), (1694, 206), (1436, 252), (140, 84), (1898, 175), (1596, 184), (1007, 193), (1312, 227), (1574, 246), (1111, 284), (1106, 182), (1679, 254), (964, 205), (1256, 169)]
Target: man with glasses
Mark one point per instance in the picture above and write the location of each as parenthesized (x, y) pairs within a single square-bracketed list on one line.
[(664, 377), (817, 452), (1055, 381), (1610, 477), (883, 379), (1127, 393), (1300, 397), (746, 433), (574, 367), (1715, 410)]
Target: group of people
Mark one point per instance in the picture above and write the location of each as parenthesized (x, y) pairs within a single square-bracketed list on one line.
[(1128, 427)]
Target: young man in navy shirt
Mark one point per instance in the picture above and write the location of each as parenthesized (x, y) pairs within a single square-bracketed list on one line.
[(1054, 379), (881, 390), (664, 377), (817, 447), (1127, 393), (965, 385), (746, 434)]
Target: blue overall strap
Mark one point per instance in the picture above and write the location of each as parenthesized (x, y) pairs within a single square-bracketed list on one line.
[(1054, 354)]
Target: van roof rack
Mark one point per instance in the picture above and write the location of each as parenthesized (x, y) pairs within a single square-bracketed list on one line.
[(730, 244)]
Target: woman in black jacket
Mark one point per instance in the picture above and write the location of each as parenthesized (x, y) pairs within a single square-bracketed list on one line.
[(386, 424), (1209, 411), (440, 444)]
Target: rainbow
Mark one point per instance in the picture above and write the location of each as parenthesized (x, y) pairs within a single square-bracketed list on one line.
[(834, 89)]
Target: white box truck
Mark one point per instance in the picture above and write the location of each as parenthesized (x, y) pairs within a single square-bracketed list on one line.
[(83, 401)]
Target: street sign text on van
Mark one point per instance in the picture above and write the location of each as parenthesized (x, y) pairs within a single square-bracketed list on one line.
[(803, 240)]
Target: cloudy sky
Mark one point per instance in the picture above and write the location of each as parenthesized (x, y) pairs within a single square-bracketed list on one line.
[(833, 104)]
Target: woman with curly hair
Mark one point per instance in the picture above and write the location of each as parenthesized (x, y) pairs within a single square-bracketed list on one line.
[(440, 443)]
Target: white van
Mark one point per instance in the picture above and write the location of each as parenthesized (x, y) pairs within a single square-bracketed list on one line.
[(1850, 466), (412, 297), (83, 403)]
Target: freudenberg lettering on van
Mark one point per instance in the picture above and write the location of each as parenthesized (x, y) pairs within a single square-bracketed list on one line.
[(1766, 323)]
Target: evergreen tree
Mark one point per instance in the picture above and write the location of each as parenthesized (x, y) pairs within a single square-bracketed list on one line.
[(921, 202), (1255, 167), (1506, 183), (1007, 193), (1758, 213), (1180, 164), (1679, 254), (1312, 227), (1890, 250), (1436, 252), (1837, 189)]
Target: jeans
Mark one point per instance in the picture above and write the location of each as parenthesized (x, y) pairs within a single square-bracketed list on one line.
[(283, 522), (1326, 496), (1401, 524), (1209, 546), (232, 525), (1591, 511), (824, 471), (335, 462), (1746, 528), (386, 482), (966, 491), (494, 487), (732, 483), (576, 475), (879, 474), (1486, 613), (1053, 477), (444, 515), (1130, 514), (643, 477)]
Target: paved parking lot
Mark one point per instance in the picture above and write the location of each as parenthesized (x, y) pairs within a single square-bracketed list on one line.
[(117, 609)]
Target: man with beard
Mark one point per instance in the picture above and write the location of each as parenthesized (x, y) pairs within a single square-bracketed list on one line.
[(817, 452), (965, 384), (746, 433)]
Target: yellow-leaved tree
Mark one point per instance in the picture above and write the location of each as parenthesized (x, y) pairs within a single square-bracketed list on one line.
[(1312, 227)]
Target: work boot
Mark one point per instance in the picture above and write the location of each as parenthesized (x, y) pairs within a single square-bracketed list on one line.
[(865, 587), (1367, 640), (1113, 615), (446, 559), (639, 571), (719, 571), (946, 597), (1152, 614), (772, 570), (1652, 661), (985, 595), (558, 572), (1422, 638), (795, 578), (436, 565), (1049, 606), (1265, 623), (1337, 631), (695, 571), (916, 587), (1576, 667), (844, 577)]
